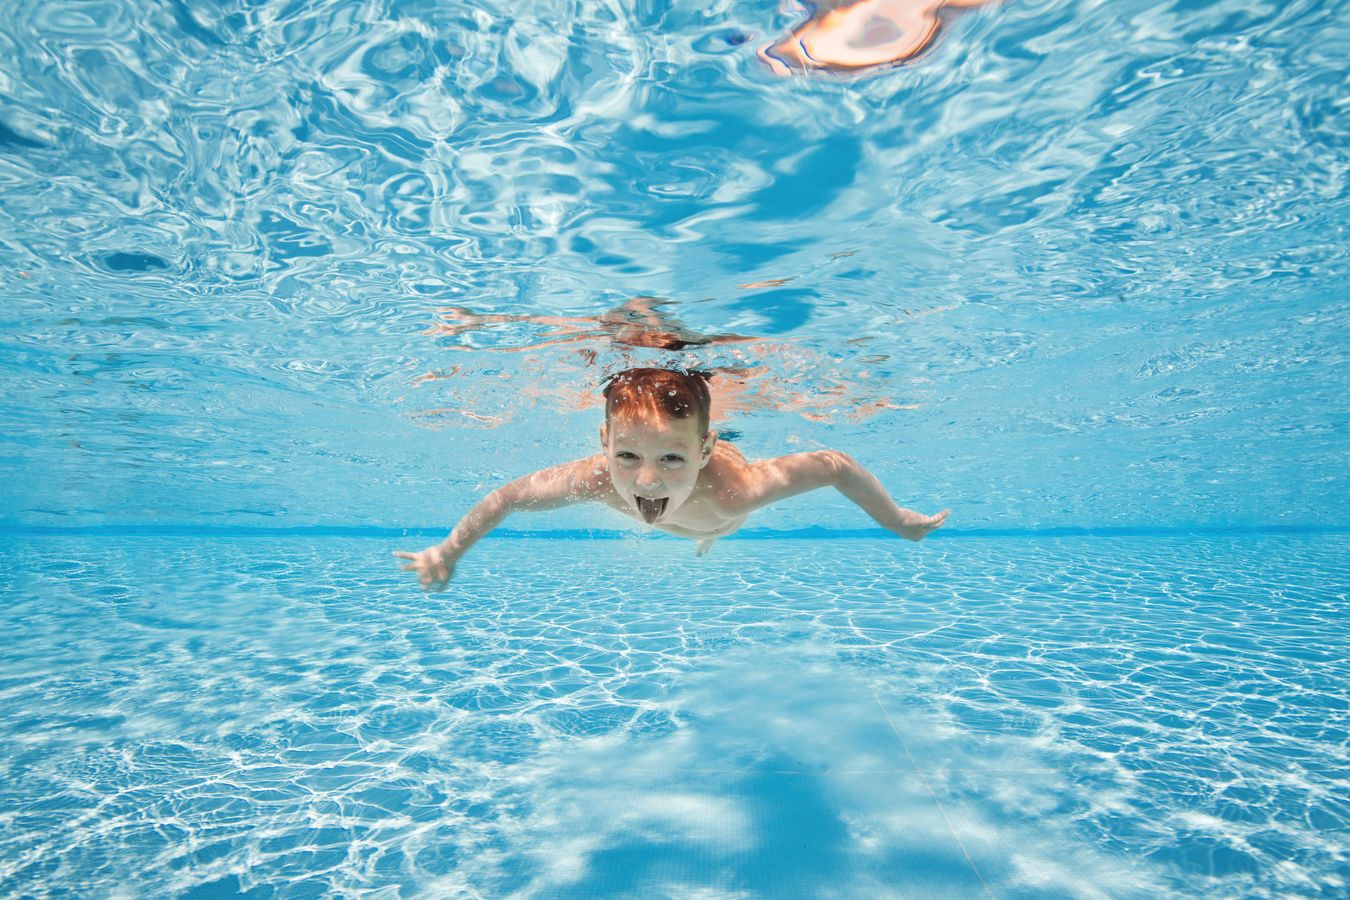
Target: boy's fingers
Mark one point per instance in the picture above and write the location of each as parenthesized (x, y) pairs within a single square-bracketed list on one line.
[(431, 575)]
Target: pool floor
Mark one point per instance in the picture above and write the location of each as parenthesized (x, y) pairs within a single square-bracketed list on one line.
[(1081, 717)]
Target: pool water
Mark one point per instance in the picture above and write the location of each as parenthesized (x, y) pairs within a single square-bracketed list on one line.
[(286, 285), (1017, 717)]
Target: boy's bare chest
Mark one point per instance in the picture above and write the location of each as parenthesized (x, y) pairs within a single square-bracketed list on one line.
[(702, 517), (699, 516)]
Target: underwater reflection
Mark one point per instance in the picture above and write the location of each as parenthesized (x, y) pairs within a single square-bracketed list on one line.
[(753, 373), (861, 36), (639, 322), (787, 775)]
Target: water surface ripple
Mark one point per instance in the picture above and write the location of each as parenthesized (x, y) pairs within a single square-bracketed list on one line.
[(1112, 235)]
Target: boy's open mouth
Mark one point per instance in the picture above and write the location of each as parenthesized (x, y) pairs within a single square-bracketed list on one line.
[(651, 508)]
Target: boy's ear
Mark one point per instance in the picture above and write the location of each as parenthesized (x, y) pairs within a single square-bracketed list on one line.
[(709, 443), (604, 435)]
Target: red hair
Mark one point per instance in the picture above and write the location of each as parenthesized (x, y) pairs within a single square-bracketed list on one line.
[(670, 392)]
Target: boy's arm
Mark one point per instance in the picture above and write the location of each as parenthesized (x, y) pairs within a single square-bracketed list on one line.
[(787, 476), (550, 488)]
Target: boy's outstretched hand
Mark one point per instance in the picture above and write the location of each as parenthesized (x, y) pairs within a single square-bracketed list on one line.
[(921, 525), (433, 566)]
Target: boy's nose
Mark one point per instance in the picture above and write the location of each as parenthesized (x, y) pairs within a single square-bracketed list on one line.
[(648, 479)]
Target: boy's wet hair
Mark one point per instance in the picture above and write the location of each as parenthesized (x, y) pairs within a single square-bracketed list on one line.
[(671, 392)]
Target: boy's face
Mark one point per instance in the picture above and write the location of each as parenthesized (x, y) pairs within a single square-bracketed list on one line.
[(654, 460)]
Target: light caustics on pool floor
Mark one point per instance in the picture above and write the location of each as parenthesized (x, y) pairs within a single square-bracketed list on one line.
[(1077, 717)]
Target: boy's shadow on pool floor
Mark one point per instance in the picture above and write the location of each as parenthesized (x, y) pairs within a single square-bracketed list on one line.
[(790, 777)]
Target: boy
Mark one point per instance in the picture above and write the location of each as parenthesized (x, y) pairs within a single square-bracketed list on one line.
[(660, 463)]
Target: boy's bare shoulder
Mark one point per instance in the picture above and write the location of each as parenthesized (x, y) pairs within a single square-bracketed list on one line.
[(569, 482), (730, 475), (589, 476), (744, 485)]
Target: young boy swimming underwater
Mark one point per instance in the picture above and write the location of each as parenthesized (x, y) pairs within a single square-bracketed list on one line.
[(660, 463)]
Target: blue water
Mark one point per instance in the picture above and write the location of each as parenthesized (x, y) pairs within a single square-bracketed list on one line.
[(287, 285), (1009, 717)]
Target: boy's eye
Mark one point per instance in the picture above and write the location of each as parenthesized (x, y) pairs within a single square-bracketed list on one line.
[(625, 454), (671, 458)]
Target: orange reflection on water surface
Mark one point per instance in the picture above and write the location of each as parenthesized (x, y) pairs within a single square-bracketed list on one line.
[(753, 374), (639, 322), (857, 36), (826, 399), (766, 283)]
